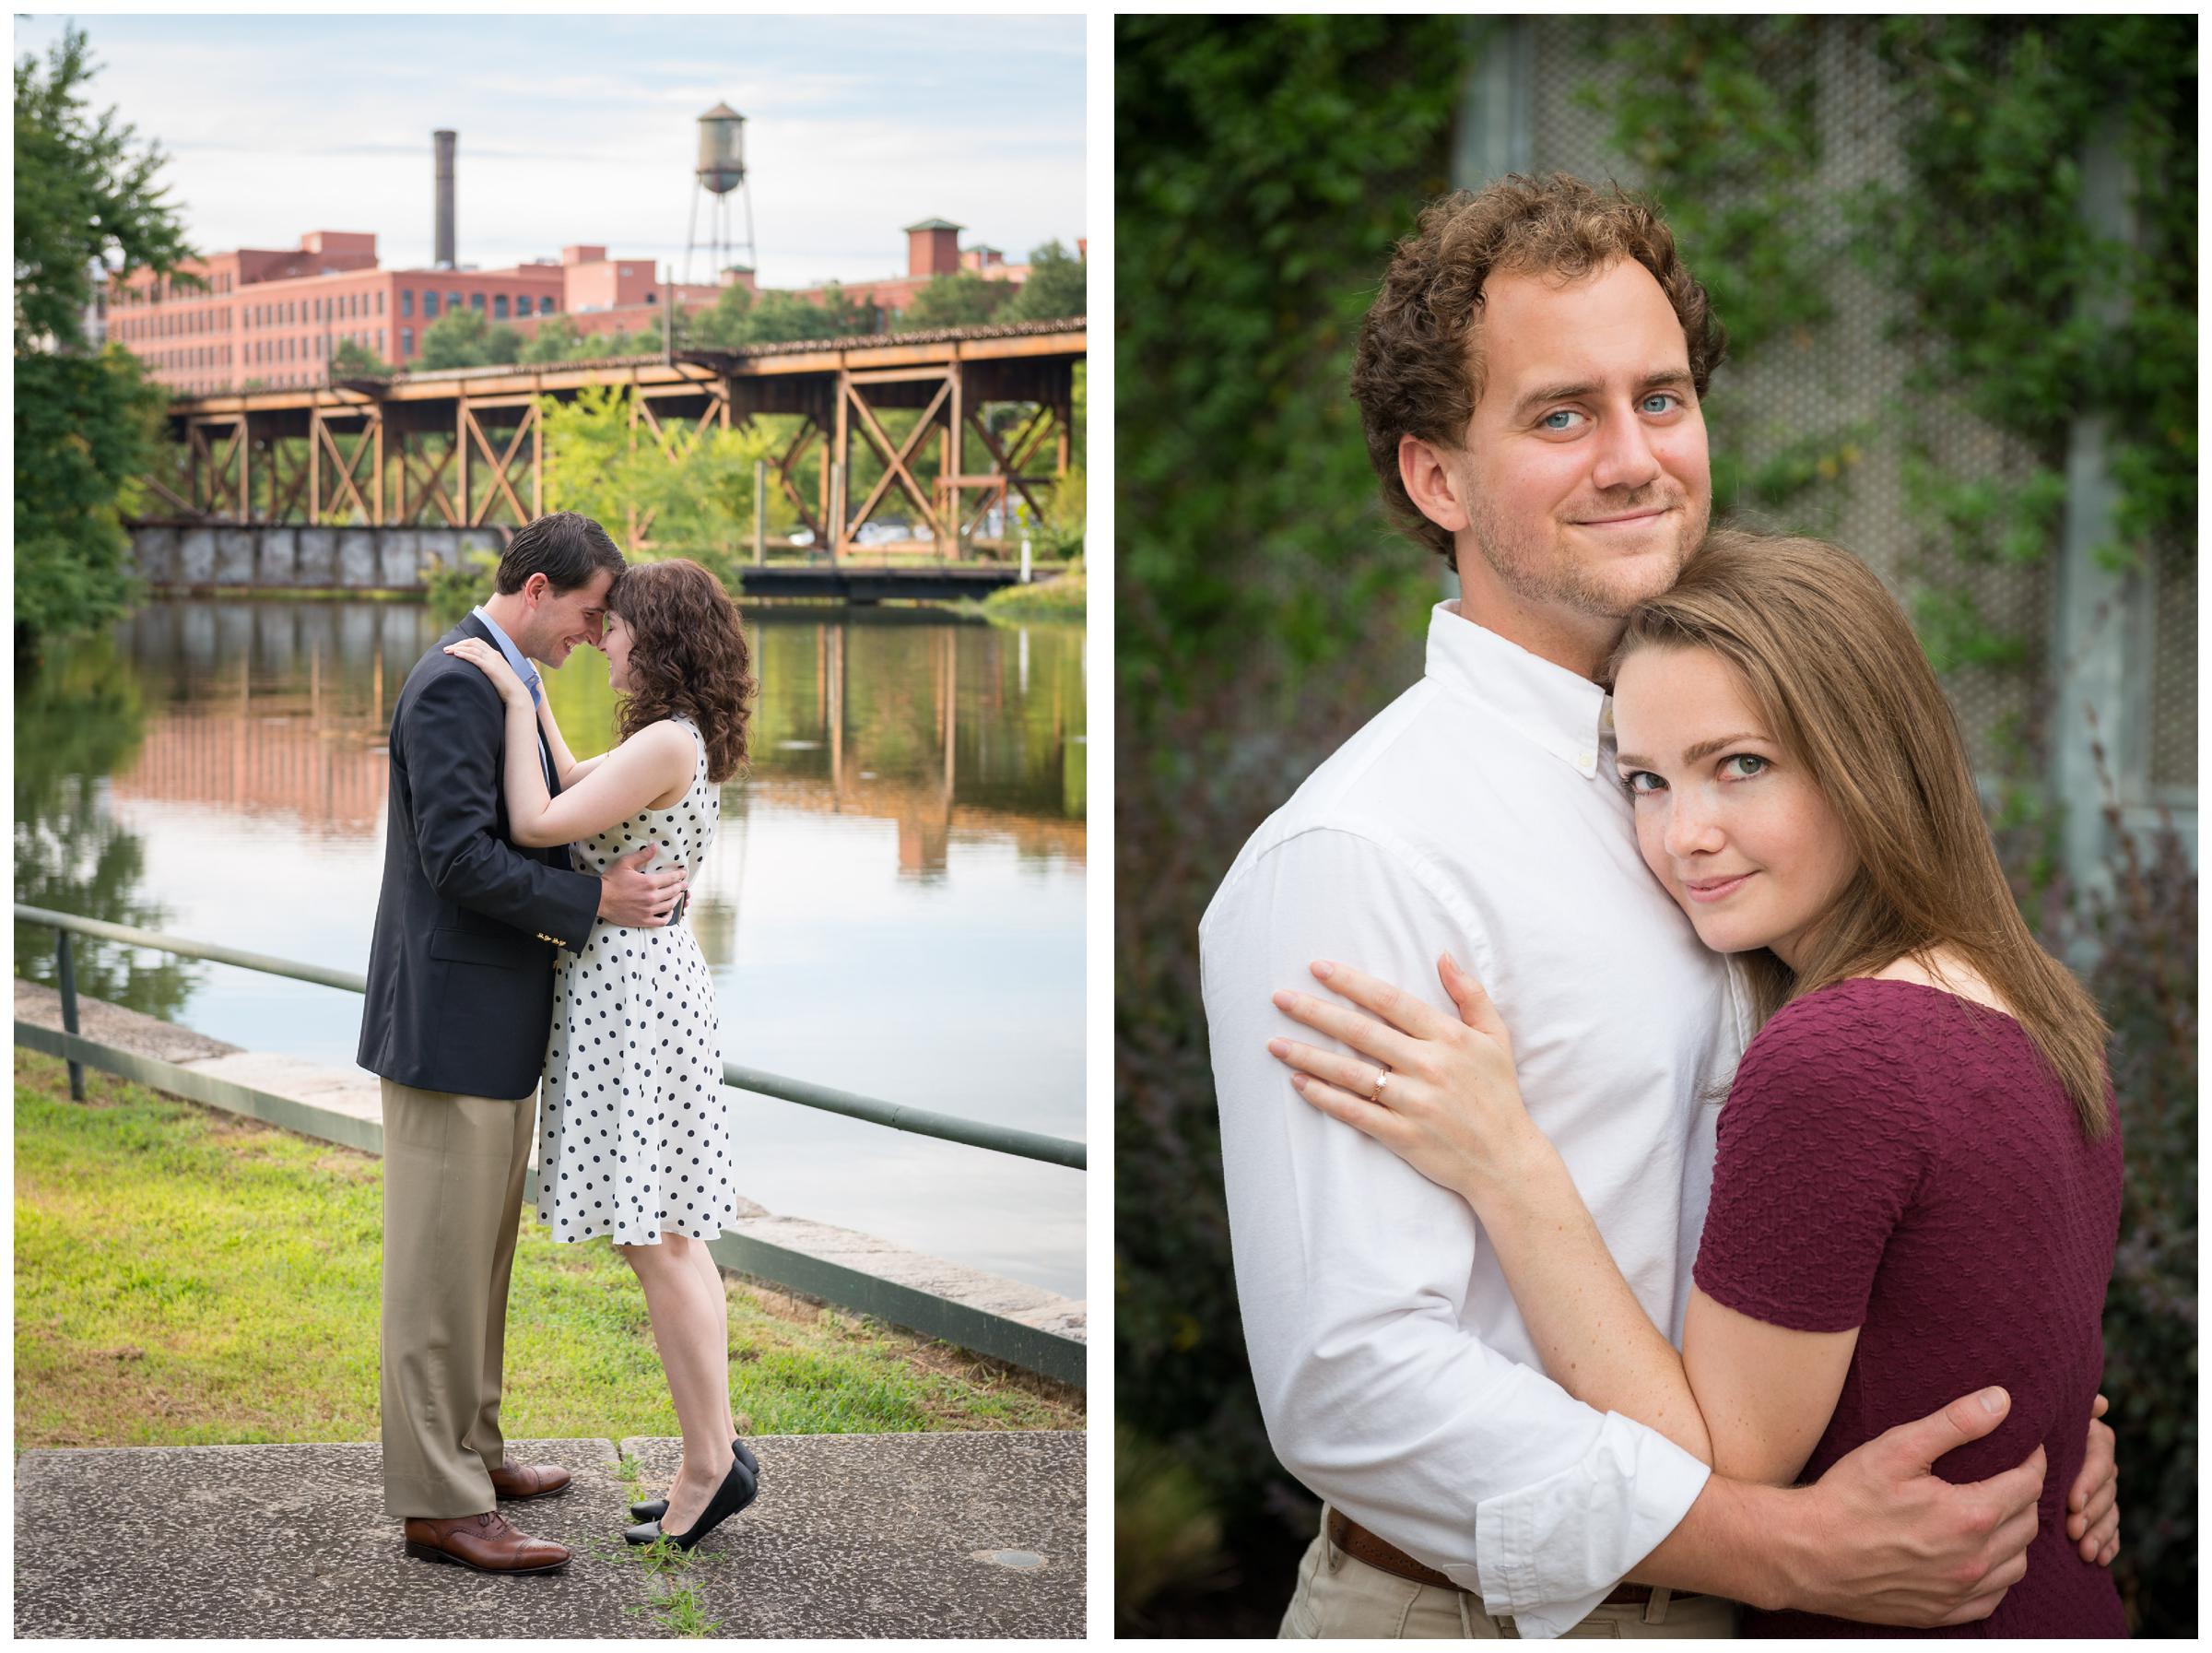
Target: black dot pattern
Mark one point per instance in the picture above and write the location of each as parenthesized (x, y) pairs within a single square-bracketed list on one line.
[(634, 1136)]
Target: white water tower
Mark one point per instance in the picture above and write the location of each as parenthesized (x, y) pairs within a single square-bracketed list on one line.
[(721, 179)]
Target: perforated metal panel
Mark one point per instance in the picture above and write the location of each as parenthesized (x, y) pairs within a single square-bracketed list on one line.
[(2173, 674)]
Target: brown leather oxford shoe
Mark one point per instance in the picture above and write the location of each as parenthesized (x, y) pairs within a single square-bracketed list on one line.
[(528, 1481), (485, 1542)]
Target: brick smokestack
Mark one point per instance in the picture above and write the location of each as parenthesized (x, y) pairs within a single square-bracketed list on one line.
[(443, 259)]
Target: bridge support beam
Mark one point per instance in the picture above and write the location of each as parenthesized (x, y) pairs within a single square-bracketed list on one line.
[(468, 451)]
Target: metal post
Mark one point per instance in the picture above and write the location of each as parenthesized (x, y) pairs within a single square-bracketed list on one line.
[(1025, 558), (2103, 616), (65, 966), (837, 506), (759, 512)]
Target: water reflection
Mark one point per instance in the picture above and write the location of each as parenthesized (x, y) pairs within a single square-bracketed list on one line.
[(894, 904)]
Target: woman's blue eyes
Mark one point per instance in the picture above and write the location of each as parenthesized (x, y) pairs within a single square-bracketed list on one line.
[(1636, 779)]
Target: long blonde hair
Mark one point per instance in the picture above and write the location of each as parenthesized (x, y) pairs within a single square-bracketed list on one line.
[(1828, 658)]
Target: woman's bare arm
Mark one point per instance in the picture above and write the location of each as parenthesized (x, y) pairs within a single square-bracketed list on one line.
[(1442, 1095), (1750, 1399), (655, 762)]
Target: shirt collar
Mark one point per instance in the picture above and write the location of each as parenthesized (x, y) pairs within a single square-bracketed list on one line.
[(1561, 711), (523, 668)]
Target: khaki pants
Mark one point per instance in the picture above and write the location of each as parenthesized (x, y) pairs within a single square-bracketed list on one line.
[(454, 1171), (1338, 1597)]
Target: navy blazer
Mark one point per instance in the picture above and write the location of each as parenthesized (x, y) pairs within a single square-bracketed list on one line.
[(461, 970)]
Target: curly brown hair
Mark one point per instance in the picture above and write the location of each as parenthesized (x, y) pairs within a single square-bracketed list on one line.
[(687, 658), (1417, 371)]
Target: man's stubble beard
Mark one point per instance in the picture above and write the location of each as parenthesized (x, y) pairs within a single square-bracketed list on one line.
[(1546, 576)]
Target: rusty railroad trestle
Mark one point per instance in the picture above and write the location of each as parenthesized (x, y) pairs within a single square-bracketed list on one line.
[(465, 448)]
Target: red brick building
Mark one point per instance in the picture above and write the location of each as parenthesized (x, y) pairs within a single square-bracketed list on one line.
[(276, 318)]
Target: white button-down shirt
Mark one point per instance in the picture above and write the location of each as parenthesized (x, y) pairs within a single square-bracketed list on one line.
[(1479, 812)]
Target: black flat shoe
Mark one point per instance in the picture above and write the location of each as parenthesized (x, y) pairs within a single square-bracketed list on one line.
[(735, 1492), (653, 1509)]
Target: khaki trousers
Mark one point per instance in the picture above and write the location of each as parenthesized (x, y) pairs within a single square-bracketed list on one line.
[(1338, 1597), (454, 1172)]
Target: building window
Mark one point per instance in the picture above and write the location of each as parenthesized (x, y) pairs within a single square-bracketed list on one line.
[(476, 301), (545, 304), (498, 307), (380, 301), (406, 300), (452, 300), (430, 305), (407, 341)]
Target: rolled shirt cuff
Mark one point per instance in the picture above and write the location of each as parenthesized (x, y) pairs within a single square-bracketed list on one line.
[(1547, 1554)]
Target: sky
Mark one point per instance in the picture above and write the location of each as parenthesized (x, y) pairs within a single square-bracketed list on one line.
[(583, 129)]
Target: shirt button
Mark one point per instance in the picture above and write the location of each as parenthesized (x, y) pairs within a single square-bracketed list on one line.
[(1588, 760)]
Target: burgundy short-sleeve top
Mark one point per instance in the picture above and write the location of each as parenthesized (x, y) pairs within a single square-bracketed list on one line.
[(1898, 1159)]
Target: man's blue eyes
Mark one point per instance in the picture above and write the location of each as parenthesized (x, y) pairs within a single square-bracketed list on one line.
[(1658, 402)]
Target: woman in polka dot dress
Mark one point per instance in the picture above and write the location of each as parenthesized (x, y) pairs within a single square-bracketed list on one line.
[(634, 1139)]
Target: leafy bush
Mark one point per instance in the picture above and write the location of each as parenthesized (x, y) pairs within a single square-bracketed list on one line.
[(455, 588), (2136, 951)]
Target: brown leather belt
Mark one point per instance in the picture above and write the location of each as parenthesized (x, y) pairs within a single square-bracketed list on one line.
[(1362, 1545)]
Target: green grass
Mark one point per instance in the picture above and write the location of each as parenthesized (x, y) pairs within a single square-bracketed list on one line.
[(1066, 597), (185, 1277)]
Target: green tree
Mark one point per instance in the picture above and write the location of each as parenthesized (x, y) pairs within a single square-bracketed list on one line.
[(699, 504), (724, 325), (1055, 288), (351, 361), (960, 299), (556, 339), (87, 204), (776, 317), (467, 338)]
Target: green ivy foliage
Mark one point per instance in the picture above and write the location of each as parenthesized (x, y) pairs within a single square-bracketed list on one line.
[(2029, 317), (1264, 165)]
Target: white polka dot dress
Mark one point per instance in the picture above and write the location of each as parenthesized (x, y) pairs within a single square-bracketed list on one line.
[(633, 1133)]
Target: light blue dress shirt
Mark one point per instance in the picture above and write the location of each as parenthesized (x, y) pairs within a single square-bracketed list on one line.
[(523, 668)]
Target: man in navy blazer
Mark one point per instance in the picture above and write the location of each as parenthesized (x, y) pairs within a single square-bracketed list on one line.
[(459, 1004)]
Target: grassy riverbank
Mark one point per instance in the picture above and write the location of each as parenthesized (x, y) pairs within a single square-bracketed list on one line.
[(185, 1277)]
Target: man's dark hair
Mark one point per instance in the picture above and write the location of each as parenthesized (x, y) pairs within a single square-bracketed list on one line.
[(1418, 368), (566, 547)]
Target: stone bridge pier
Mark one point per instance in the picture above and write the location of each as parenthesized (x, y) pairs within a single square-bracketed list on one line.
[(283, 557)]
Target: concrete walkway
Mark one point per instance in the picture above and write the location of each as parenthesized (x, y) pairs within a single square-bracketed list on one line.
[(901, 1535)]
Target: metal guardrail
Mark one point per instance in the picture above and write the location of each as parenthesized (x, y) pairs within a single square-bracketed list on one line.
[(946, 1128)]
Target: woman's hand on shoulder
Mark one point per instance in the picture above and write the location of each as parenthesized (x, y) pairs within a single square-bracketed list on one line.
[(493, 664), (1440, 1093)]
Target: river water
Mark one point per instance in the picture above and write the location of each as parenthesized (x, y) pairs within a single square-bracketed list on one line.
[(894, 904)]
